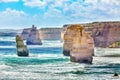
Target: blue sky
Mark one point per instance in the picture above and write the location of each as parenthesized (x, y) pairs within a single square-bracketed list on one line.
[(55, 13)]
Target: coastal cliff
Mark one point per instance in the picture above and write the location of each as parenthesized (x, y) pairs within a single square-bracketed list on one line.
[(78, 44), (50, 33), (44, 33), (79, 40), (105, 34)]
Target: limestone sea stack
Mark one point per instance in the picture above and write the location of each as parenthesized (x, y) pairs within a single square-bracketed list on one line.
[(78, 44), (67, 38), (34, 38), (25, 33), (21, 48)]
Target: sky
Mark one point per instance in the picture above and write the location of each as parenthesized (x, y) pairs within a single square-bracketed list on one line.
[(55, 13)]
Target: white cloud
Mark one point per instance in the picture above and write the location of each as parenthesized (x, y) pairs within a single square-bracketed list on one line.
[(12, 17), (60, 3), (93, 9), (91, 1), (44, 3), (111, 2), (9, 1), (15, 13), (53, 13), (75, 6), (78, 10), (34, 3), (63, 11)]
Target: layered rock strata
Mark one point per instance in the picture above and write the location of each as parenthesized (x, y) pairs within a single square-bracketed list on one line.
[(34, 37), (44, 33), (78, 44), (21, 48), (50, 33), (25, 33), (105, 34)]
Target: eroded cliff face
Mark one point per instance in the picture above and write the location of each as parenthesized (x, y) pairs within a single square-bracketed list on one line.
[(34, 37), (50, 33), (25, 33), (44, 33), (31, 35), (104, 34), (78, 44)]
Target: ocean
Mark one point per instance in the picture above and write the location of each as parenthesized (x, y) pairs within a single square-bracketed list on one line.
[(46, 62)]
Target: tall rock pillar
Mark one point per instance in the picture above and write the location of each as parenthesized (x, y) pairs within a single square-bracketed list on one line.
[(34, 37), (79, 44), (21, 48)]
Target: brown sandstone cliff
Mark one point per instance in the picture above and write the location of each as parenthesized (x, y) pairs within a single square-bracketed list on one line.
[(104, 34), (78, 44)]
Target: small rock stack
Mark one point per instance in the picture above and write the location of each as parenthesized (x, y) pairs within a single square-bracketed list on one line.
[(21, 48)]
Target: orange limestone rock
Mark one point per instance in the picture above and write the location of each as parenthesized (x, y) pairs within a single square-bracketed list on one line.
[(78, 44), (68, 36), (105, 34)]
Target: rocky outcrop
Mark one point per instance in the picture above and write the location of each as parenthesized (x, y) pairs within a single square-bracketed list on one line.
[(78, 44), (34, 38), (98, 34), (50, 33), (21, 48), (44, 33), (104, 34), (25, 33)]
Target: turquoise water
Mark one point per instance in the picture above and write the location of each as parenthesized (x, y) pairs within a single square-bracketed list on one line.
[(46, 62)]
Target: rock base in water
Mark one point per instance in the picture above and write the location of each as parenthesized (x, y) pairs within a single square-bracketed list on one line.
[(66, 52), (23, 53), (21, 48), (81, 60), (32, 43), (34, 38)]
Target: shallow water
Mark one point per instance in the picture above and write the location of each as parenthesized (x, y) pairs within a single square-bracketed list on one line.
[(46, 62)]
